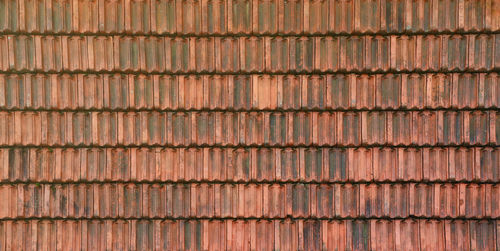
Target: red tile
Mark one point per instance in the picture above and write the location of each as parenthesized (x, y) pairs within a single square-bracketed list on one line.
[(249, 125)]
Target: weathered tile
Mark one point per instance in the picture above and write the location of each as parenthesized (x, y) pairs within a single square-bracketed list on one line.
[(249, 125)]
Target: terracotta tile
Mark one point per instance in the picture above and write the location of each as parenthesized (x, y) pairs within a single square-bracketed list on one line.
[(249, 125), (425, 123), (116, 17), (488, 169), (248, 164), (457, 235), (296, 54), (432, 234), (349, 128), (480, 235), (382, 235), (192, 234), (118, 92), (244, 201)]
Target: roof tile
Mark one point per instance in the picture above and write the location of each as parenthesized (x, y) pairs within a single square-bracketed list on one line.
[(249, 125)]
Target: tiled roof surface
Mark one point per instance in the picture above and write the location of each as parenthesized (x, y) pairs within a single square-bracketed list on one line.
[(250, 125)]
